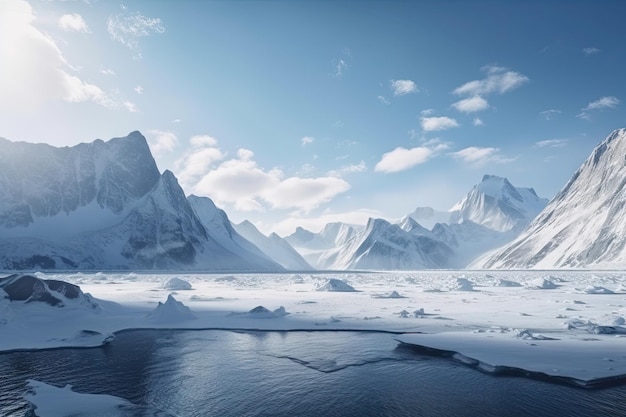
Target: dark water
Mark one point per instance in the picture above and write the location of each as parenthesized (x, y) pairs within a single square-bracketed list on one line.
[(221, 373)]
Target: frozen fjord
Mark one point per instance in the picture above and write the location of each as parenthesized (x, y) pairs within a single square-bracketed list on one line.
[(566, 324)]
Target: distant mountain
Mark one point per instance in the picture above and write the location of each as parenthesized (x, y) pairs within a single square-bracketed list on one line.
[(428, 217), (498, 205), (274, 247), (101, 205), (386, 246), (312, 246), (583, 226), (224, 237)]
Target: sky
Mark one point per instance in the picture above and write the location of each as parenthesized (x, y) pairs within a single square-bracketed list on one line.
[(300, 113)]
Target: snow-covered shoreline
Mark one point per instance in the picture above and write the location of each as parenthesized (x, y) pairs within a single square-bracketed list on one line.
[(572, 329)]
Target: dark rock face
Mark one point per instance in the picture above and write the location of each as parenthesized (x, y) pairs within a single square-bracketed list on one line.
[(32, 289), (39, 180)]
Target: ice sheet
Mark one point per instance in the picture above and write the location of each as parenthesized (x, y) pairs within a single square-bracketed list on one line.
[(494, 323)]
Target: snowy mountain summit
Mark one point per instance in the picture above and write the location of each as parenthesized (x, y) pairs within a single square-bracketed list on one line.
[(583, 226), (496, 204), (104, 205)]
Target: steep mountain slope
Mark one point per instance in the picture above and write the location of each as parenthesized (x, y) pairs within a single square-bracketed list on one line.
[(312, 246), (583, 226), (383, 245), (498, 205), (274, 247), (101, 205)]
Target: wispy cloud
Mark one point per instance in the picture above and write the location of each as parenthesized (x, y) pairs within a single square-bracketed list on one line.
[(128, 28), (471, 104), (551, 143), (107, 71), (549, 114), (161, 141), (401, 159), (348, 169), (403, 87), (478, 156), (73, 23), (138, 89), (306, 140), (498, 80), (340, 67), (383, 100), (478, 121), (434, 123), (590, 51), (607, 102), (242, 183), (51, 77)]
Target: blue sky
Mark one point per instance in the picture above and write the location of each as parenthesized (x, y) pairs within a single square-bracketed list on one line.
[(301, 113)]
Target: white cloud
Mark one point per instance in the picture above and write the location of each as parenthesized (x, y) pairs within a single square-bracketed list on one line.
[(551, 143), (73, 23), (242, 183), (402, 87), (401, 159), (590, 51), (127, 29), (607, 102), (304, 193), (383, 100), (479, 156), (340, 67), (435, 123), (34, 69), (107, 71), (548, 114), (138, 89), (499, 80), (162, 141), (427, 112), (603, 103), (307, 139), (478, 121), (471, 104), (348, 169), (199, 141), (130, 106)]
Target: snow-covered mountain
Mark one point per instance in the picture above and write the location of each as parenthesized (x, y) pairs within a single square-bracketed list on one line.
[(274, 247), (498, 205), (219, 228), (312, 246), (428, 217), (386, 246), (101, 205), (583, 226)]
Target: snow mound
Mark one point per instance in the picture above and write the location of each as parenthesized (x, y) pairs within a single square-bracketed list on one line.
[(506, 283), (176, 284), (170, 311), (525, 334), (542, 284), (462, 284), (392, 294), (594, 289), (296, 279), (335, 285), (261, 312), (595, 328)]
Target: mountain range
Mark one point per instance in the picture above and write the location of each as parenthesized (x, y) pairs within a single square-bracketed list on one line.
[(583, 226), (105, 205)]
